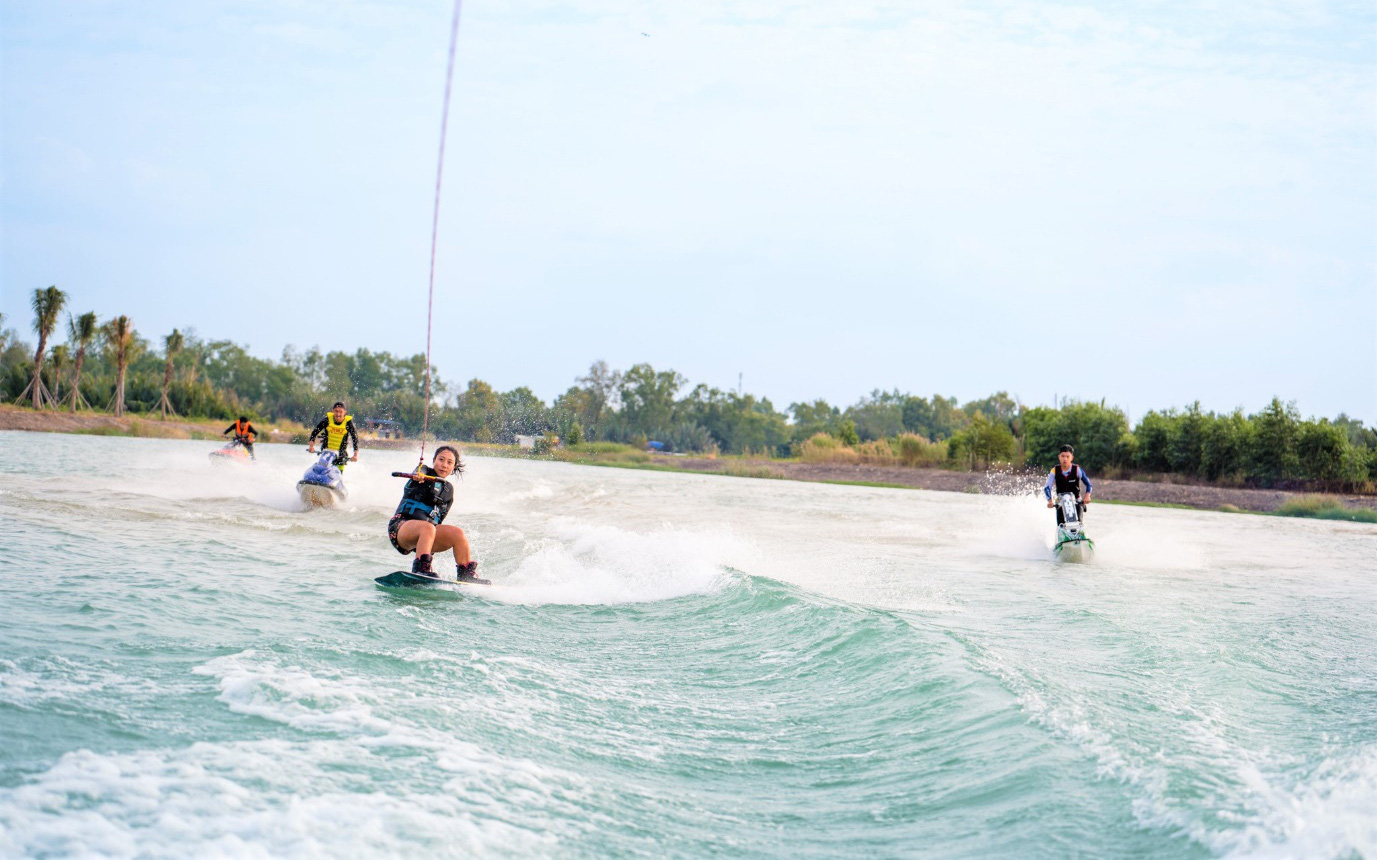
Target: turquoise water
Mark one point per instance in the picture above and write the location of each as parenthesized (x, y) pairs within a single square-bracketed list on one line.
[(674, 665)]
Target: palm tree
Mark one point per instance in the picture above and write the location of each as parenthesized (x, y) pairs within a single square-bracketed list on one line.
[(198, 360), (47, 304), (173, 344), (119, 337), (4, 335), (80, 330), (61, 357)]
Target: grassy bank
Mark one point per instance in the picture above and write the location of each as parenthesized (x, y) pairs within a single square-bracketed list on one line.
[(140, 425), (809, 469), (1325, 508), (147, 429)]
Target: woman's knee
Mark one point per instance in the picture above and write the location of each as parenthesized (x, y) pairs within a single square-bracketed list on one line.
[(414, 530), (450, 536)]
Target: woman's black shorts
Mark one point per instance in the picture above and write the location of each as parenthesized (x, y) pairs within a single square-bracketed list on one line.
[(394, 525)]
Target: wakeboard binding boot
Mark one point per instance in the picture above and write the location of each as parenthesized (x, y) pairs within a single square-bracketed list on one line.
[(422, 565), (469, 573)]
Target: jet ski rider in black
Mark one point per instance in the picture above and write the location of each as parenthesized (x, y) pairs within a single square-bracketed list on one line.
[(416, 526), (1067, 478)]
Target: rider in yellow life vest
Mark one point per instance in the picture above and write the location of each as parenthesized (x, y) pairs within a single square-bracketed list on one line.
[(335, 430)]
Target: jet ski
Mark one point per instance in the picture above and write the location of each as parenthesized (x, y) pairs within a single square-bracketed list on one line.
[(1073, 544), (323, 485), (233, 452)]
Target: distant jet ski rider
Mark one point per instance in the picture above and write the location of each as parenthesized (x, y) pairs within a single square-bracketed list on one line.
[(244, 434), (416, 526), (1066, 477), (335, 430)]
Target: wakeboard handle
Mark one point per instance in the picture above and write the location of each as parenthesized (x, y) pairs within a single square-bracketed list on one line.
[(417, 476)]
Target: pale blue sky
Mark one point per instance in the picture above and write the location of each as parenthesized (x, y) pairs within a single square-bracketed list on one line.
[(827, 197)]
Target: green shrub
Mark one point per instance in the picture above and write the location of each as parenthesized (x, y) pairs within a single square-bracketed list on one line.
[(1098, 433), (1276, 428), (1326, 454), (544, 444), (878, 452), (982, 443), (917, 451), (154, 430), (1325, 508), (846, 432), (823, 448), (1224, 451)]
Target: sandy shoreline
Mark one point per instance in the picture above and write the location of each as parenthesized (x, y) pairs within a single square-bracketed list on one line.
[(19, 418), (1199, 496)]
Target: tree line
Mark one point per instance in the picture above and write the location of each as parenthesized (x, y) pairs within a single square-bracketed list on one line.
[(108, 365)]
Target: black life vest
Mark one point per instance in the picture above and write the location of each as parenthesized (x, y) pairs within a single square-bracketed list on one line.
[(1068, 483), (426, 500)]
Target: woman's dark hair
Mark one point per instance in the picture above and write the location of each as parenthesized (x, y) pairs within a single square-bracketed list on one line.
[(458, 463), (1067, 449), (243, 418)]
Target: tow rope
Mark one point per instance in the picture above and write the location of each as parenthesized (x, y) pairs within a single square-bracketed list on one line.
[(434, 240)]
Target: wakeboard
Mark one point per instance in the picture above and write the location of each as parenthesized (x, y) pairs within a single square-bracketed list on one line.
[(407, 579)]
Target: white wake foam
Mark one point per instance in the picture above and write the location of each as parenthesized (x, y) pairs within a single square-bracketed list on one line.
[(279, 799), (582, 563)]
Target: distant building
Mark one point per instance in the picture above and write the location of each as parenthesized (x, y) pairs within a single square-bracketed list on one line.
[(383, 428), (539, 444)]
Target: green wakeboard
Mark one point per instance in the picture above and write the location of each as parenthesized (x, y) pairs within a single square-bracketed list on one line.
[(407, 579)]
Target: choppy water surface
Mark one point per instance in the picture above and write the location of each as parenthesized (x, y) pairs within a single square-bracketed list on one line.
[(671, 665)]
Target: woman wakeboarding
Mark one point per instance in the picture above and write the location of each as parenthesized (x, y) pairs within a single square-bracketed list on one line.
[(418, 527)]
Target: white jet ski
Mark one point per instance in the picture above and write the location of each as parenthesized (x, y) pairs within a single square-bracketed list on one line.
[(1073, 544), (323, 484)]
